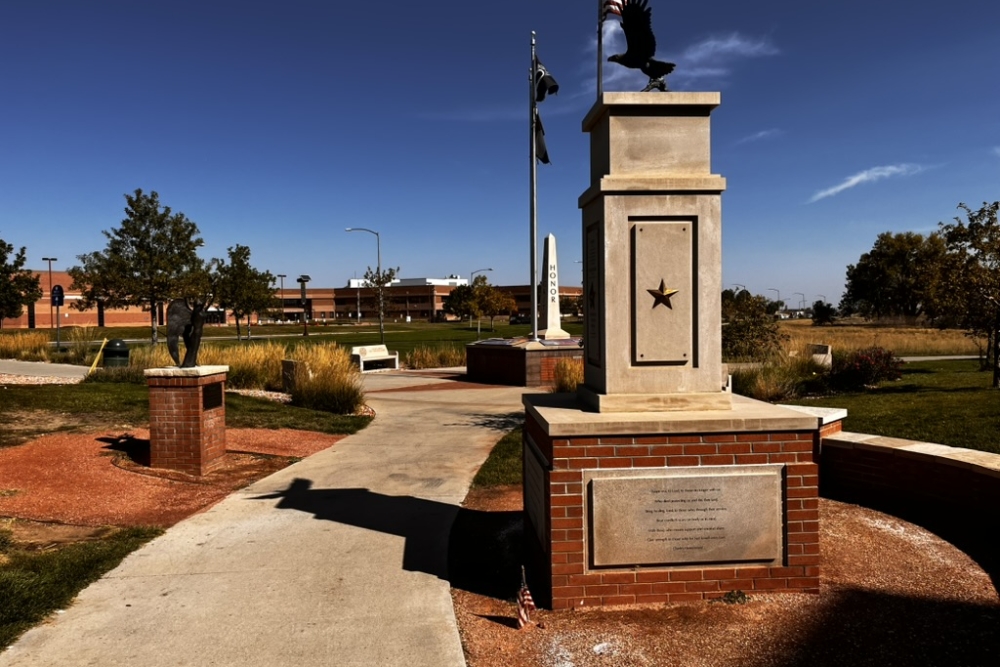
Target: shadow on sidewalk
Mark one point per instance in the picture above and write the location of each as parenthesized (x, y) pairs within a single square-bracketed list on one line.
[(424, 524), (476, 551)]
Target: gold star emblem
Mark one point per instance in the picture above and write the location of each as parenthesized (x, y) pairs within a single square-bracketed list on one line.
[(662, 295)]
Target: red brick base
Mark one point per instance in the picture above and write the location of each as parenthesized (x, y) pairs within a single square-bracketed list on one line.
[(183, 434), (564, 580)]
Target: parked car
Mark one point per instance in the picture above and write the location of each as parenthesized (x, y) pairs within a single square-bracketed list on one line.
[(520, 319)]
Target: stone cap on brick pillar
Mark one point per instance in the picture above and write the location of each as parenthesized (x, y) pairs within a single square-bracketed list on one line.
[(174, 372)]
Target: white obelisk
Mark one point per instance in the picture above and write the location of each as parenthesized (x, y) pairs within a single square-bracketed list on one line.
[(551, 316)]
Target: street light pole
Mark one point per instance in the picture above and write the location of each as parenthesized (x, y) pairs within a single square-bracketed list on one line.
[(50, 260), (472, 284), (281, 296), (378, 272), (302, 280), (802, 301), (742, 287), (780, 303)]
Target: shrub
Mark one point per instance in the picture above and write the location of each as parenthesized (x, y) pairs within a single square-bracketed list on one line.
[(782, 378), (333, 383), (32, 346), (251, 366), (81, 345), (444, 356), (568, 373), (864, 368)]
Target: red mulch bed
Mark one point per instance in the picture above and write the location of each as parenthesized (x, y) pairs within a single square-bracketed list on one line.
[(98, 479)]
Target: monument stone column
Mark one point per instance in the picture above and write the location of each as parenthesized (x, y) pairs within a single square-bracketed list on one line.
[(653, 483), (652, 239)]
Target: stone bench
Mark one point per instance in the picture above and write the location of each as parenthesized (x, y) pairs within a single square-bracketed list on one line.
[(374, 355)]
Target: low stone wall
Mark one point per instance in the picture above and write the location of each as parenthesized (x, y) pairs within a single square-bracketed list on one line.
[(938, 485), (515, 365)]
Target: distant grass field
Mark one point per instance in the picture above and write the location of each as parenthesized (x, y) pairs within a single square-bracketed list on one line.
[(903, 341), (945, 402)]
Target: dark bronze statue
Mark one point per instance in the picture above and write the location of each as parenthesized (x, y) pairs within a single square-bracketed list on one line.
[(641, 45), (187, 319)]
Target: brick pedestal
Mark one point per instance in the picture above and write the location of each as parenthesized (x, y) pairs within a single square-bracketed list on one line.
[(567, 450), (187, 418)]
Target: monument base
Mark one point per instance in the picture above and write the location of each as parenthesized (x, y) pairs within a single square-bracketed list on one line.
[(719, 400), (519, 362), (554, 333), (674, 506), (187, 418)]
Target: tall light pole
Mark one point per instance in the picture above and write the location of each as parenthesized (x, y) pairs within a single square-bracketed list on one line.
[(824, 297), (472, 281), (378, 272), (281, 296), (742, 287), (302, 280), (780, 304), (802, 301), (50, 260)]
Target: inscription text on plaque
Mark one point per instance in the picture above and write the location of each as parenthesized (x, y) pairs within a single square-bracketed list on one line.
[(685, 515)]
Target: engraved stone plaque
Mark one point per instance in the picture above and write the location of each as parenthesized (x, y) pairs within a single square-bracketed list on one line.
[(689, 515)]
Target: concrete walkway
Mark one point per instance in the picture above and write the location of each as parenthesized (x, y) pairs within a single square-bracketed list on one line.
[(11, 367), (340, 559)]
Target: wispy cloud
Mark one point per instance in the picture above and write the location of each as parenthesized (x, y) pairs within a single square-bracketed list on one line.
[(869, 176), (712, 58), (760, 136), (715, 57), (996, 151)]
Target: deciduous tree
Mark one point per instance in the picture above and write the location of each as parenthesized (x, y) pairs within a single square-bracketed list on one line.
[(495, 302), (378, 279), (242, 288), (896, 277), (18, 286), (973, 275), (149, 260), (749, 331)]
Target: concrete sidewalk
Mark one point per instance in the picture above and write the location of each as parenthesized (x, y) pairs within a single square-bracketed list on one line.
[(41, 369), (340, 559)]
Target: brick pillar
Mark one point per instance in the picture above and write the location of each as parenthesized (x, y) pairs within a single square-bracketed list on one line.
[(187, 418)]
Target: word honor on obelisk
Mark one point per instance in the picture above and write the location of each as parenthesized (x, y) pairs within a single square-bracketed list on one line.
[(550, 303)]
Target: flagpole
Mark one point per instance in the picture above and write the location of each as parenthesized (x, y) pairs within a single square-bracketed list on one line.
[(534, 208), (600, 48)]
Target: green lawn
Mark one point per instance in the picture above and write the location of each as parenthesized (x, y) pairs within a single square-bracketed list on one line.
[(33, 584), (27, 411), (945, 402)]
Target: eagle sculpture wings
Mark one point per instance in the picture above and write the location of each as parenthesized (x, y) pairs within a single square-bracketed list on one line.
[(641, 45)]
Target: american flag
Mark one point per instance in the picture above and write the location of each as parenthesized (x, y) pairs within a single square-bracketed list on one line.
[(525, 603), (612, 7)]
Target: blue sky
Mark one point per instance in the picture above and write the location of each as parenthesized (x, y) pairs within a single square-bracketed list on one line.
[(278, 124)]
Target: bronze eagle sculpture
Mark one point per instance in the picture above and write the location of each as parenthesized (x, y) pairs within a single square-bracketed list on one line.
[(641, 45)]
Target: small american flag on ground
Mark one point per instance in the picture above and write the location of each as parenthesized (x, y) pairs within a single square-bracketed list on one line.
[(612, 7), (525, 603)]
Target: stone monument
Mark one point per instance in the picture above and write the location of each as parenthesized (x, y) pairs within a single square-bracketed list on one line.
[(654, 483), (551, 315)]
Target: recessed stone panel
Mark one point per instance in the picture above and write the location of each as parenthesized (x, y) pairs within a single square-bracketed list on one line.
[(664, 292), (685, 515)]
